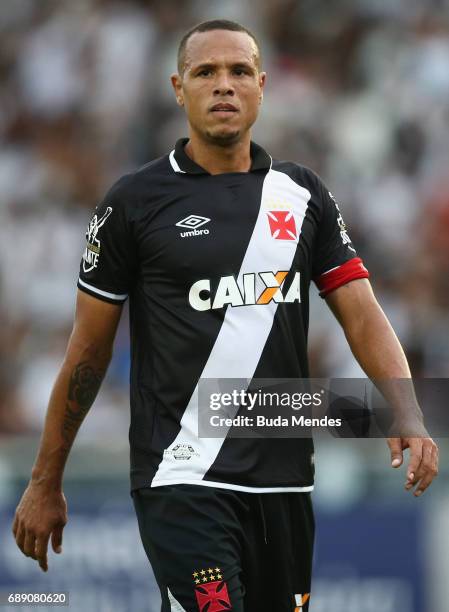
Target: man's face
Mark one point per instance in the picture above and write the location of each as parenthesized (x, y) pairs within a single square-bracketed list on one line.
[(221, 85)]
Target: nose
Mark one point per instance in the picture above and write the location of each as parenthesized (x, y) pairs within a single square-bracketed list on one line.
[(223, 85)]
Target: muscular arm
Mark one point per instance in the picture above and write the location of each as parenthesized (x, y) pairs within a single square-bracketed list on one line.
[(42, 511), (379, 353), (88, 355), (374, 343)]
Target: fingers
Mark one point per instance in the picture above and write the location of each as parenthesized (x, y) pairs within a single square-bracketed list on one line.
[(422, 474), (36, 546), (41, 551), (56, 539), (395, 445), (29, 545), (428, 470), (20, 538), (416, 450), (39, 515)]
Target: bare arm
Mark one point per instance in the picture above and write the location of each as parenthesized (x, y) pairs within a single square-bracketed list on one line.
[(373, 342), (88, 355), (42, 509), (379, 353)]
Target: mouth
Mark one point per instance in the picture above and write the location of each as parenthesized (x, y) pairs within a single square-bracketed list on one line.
[(223, 107)]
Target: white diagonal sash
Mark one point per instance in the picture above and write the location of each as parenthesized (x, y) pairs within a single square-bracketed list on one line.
[(244, 331)]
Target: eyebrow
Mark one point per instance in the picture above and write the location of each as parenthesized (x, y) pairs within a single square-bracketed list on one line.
[(209, 65)]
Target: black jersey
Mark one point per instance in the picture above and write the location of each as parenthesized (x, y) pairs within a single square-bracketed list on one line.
[(217, 269)]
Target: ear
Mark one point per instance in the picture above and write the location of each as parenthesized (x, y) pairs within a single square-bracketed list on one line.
[(262, 80), (176, 82)]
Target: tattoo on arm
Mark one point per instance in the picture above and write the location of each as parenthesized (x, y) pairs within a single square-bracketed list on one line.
[(83, 388)]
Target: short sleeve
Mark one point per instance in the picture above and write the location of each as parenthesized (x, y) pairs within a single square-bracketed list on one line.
[(108, 264), (335, 260)]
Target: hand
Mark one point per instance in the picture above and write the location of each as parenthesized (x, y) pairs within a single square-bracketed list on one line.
[(423, 462), (41, 512)]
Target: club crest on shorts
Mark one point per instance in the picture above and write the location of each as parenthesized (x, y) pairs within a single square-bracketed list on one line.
[(211, 590), (92, 251)]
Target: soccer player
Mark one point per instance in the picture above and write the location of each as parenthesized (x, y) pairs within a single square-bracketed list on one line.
[(216, 245)]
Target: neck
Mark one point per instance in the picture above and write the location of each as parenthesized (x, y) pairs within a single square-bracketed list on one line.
[(217, 159)]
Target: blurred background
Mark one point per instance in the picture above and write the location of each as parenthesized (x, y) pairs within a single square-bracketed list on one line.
[(359, 91)]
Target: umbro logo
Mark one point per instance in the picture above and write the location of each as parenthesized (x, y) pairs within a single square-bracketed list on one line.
[(193, 222)]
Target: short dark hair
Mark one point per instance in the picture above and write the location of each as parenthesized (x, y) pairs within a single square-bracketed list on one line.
[(207, 26)]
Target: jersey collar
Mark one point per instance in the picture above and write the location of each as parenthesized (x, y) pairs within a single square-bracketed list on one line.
[(181, 162)]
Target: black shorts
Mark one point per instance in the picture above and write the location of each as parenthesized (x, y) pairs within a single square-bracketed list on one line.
[(216, 549)]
